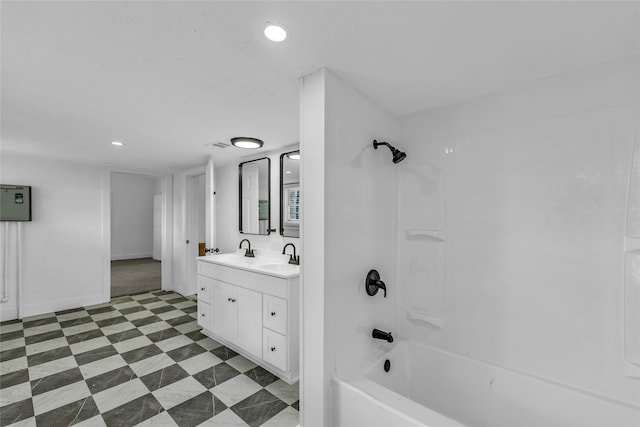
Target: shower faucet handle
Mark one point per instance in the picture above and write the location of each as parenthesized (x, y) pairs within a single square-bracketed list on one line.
[(372, 283)]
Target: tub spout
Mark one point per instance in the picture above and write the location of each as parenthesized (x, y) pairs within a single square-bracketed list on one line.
[(381, 335)]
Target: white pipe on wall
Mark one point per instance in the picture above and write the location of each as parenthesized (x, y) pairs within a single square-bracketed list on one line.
[(19, 270), (5, 269)]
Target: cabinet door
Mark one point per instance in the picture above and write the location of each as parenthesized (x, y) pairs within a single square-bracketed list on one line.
[(204, 290), (225, 313), (250, 321)]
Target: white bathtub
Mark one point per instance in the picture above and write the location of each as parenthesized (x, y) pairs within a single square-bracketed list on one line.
[(430, 387)]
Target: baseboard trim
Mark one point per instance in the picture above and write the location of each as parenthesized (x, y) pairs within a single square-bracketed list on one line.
[(62, 304), (121, 257), (8, 313)]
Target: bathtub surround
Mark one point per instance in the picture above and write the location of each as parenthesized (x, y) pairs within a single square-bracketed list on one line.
[(530, 197), (503, 232)]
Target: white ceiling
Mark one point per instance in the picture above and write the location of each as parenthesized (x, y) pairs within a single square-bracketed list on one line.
[(167, 78)]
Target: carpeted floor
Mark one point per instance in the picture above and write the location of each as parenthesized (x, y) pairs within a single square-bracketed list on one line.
[(134, 276)]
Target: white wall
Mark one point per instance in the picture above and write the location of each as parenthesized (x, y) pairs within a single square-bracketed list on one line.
[(226, 218), (132, 215), (532, 209), (63, 258), (346, 233)]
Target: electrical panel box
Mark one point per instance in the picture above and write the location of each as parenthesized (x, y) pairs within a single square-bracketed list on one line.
[(15, 203)]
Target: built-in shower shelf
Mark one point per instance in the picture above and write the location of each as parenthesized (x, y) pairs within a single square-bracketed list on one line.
[(425, 317), (424, 235)]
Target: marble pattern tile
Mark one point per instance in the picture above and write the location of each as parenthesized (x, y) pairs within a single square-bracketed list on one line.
[(133, 412), (120, 394), (163, 419), (88, 345), (208, 343), (10, 327), (138, 315), (288, 393), (258, 408), (123, 336), (216, 375), (224, 353), (13, 378), (152, 364), (69, 414), (226, 418), (141, 353), (110, 379), (185, 328), (13, 365), (6, 336), (76, 322), (236, 389), (241, 363), (95, 354), (84, 336), (197, 363), (17, 412), (288, 417), (120, 327), (86, 327), (197, 410), (163, 308), (106, 315), (164, 377), (14, 343), (41, 329), (261, 376), (50, 368), (163, 334), (146, 320), (132, 344), (48, 356), (179, 392), (173, 343), (154, 327), (15, 394), (43, 346), (56, 381), (101, 366), (185, 352), (72, 315), (64, 395)]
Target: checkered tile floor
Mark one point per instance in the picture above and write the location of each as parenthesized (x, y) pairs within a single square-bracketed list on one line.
[(139, 360)]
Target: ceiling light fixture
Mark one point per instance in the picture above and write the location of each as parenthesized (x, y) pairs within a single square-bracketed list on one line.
[(118, 143), (246, 142), (274, 32)]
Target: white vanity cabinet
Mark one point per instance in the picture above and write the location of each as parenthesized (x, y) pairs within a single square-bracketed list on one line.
[(253, 312)]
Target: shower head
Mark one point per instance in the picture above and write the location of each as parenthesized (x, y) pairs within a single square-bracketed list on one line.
[(398, 155)]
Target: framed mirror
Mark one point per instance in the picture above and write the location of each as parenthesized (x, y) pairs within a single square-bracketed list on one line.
[(290, 194), (255, 196)]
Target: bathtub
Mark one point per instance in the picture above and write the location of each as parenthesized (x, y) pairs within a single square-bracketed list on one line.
[(426, 386)]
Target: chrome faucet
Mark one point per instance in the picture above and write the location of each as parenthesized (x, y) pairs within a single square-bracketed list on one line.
[(293, 259), (248, 252)]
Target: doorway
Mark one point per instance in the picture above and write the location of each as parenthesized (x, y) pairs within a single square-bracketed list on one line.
[(136, 233), (196, 225)]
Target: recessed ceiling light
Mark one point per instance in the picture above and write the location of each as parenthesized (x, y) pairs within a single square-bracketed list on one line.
[(287, 171), (274, 32), (246, 142), (118, 143)]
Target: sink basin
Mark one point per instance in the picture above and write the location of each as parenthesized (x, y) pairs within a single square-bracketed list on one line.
[(280, 268), (263, 265)]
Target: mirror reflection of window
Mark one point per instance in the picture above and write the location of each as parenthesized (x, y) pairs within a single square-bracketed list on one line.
[(290, 201), (254, 196)]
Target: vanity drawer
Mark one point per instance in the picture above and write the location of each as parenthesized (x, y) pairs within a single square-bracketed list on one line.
[(274, 313), (205, 289), (205, 318), (274, 349)]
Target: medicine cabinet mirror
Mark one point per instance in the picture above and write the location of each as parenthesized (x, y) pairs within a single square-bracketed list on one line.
[(290, 194), (255, 196)]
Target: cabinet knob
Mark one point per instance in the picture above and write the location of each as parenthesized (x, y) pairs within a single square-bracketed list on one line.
[(202, 289), (273, 349), (202, 315), (273, 313)]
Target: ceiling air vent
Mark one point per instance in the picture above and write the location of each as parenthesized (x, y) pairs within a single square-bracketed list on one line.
[(217, 144)]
